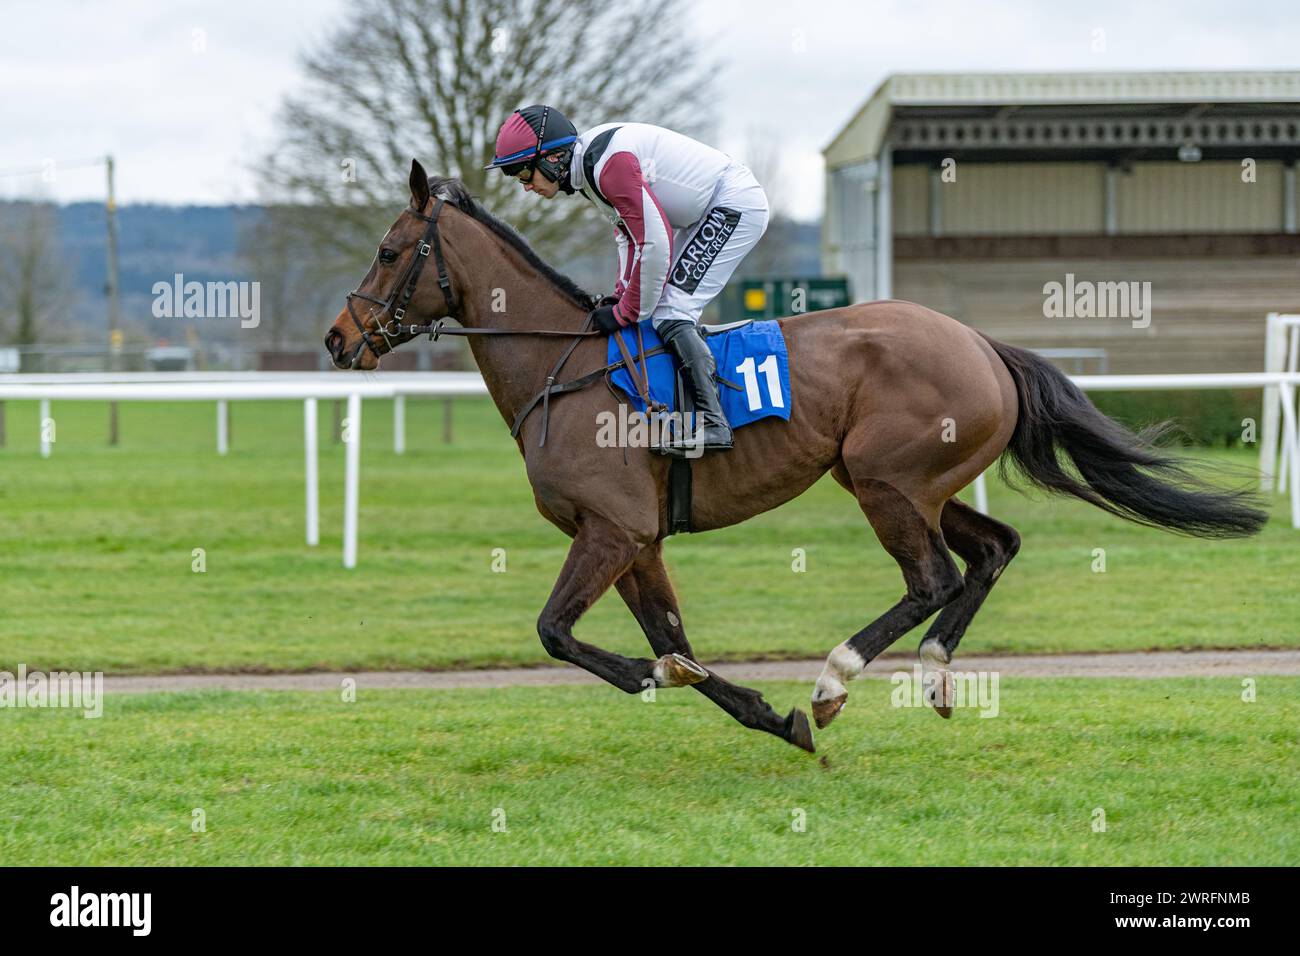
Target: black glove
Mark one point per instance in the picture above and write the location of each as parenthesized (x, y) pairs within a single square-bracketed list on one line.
[(603, 318), (610, 300)]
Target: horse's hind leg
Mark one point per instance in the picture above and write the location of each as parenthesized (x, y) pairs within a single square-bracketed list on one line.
[(908, 531), (648, 593), (600, 553), (987, 546)]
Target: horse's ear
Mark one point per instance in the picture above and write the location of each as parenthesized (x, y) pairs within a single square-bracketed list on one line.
[(419, 185)]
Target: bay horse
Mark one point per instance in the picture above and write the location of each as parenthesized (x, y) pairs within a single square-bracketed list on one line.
[(902, 405)]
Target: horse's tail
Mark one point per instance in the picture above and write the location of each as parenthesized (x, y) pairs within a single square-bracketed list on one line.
[(1119, 471)]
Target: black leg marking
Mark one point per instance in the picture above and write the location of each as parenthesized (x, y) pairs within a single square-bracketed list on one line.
[(600, 553), (987, 546), (931, 577), (648, 593)]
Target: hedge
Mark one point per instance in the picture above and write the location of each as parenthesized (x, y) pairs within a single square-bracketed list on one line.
[(1211, 417)]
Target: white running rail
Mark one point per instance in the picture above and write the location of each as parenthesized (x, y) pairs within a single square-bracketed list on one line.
[(306, 388), (309, 387)]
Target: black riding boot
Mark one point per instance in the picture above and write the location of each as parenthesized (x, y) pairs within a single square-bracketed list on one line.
[(711, 430)]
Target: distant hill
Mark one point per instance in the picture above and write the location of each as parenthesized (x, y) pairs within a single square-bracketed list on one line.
[(201, 242), (154, 243)]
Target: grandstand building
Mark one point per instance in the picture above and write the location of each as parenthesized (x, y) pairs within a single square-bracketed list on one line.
[(1013, 201)]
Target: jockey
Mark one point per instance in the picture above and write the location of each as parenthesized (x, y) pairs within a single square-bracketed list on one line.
[(684, 216)]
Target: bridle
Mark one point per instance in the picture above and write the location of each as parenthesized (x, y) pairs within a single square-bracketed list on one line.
[(400, 297), (404, 289)]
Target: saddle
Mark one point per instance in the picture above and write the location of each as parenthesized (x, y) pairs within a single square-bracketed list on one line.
[(748, 352), (642, 369)]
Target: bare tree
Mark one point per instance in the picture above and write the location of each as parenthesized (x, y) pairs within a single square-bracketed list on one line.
[(763, 157), (34, 271), (434, 79), (291, 295)]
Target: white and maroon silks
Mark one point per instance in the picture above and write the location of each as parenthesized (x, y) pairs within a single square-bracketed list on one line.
[(685, 215)]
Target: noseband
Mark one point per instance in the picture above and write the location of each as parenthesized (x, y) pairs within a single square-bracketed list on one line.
[(400, 297)]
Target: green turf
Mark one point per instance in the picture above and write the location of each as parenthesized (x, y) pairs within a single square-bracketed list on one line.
[(1184, 771), (95, 558)]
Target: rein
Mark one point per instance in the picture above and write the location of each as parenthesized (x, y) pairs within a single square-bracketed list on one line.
[(404, 289)]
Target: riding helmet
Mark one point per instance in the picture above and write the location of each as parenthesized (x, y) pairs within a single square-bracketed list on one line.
[(528, 135)]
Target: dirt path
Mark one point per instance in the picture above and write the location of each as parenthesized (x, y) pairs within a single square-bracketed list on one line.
[(1153, 664)]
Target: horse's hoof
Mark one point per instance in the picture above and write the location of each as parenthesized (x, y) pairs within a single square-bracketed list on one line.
[(940, 692), (674, 670), (824, 711), (798, 732), (943, 706), (942, 695)]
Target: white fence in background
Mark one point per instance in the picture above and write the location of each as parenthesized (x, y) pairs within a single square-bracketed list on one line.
[(1281, 354), (1279, 390), (308, 387), (222, 388)]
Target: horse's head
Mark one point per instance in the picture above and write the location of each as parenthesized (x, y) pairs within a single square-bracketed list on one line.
[(405, 281)]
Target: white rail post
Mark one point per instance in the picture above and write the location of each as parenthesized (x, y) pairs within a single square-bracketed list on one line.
[(884, 225), (1291, 447), (1291, 337), (223, 427), (1274, 345), (399, 424), (45, 432), (313, 471), (352, 480), (981, 495)]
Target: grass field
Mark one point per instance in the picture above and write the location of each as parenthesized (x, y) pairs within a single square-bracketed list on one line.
[(1183, 770), (96, 550)]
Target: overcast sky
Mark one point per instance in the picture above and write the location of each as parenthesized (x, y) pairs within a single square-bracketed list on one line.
[(80, 78)]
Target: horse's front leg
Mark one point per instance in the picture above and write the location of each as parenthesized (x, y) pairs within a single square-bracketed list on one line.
[(600, 553), (648, 593)]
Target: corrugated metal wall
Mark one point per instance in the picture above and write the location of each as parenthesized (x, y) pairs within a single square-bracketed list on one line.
[(1002, 199), (849, 247), (1023, 198), (911, 201), (1199, 197), (1208, 307)]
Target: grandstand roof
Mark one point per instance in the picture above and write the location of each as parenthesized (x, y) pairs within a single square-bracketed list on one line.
[(956, 94)]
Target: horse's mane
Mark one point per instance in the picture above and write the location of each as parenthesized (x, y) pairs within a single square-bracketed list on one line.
[(454, 191)]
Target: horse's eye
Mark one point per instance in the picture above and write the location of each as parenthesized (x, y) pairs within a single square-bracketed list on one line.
[(387, 255)]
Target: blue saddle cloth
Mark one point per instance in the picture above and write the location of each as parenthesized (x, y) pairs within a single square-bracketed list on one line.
[(752, 357)]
